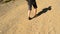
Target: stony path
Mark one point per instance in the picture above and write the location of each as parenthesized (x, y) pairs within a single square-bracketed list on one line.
[(13, 18)]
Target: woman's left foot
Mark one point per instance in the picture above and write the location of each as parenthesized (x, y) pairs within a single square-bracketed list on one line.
[(29, 18)]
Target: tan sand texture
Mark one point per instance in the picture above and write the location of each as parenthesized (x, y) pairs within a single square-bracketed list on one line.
[(14, 19)]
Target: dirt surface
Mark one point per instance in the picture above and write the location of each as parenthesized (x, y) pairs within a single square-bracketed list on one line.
[(14, 19)]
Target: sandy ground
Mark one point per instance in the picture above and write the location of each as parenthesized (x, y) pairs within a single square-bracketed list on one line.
[(14, 19)]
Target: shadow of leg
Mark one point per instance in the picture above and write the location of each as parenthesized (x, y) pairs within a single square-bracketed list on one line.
[(43, 11)]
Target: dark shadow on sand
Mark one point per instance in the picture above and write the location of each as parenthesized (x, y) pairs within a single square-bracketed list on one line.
[(6, 1), (43, 11)]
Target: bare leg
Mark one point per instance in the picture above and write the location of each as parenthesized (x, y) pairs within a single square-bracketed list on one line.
[(35, 11), (29, 12)]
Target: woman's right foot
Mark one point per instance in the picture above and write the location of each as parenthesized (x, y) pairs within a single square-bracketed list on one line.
[(35, 16)]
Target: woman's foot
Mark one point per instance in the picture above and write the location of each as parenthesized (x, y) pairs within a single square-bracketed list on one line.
[(29, 18)]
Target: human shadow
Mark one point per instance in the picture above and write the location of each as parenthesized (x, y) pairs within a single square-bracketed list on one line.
[(6, 1), (2, 1), (9, 1), (43, 11)]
